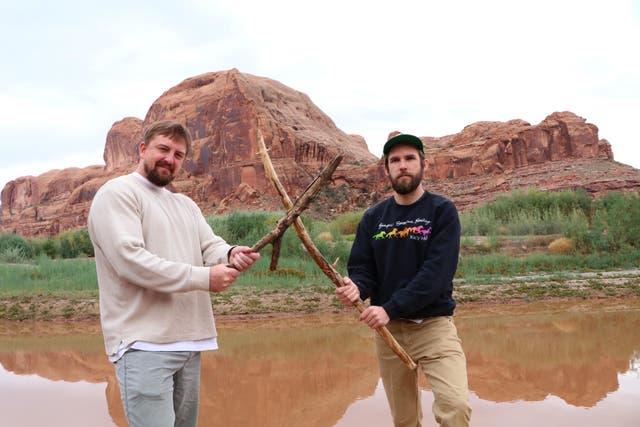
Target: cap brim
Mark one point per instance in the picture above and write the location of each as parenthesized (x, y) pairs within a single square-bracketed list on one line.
[(403, 138)]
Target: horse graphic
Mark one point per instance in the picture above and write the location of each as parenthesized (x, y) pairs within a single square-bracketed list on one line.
[(405, 232), (380, 235), (393, 233)]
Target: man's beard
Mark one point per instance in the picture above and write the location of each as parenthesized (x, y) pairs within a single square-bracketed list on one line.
[(406, 187), (156, 178)]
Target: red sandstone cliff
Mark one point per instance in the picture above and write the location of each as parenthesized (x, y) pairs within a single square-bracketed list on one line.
[(224, 109)]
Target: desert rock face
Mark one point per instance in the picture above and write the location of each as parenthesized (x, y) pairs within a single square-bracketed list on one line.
[(55, 201), (120, 149), (223, 110), (485, 148)]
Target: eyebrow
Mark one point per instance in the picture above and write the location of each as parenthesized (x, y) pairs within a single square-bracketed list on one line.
[(406, 156), (166, 146)]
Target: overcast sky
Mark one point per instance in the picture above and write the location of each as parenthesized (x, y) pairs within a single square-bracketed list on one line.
[(70, 69)]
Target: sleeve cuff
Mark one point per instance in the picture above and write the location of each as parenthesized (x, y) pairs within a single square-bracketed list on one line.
[(200, 278), (229, 252), (391, 309)]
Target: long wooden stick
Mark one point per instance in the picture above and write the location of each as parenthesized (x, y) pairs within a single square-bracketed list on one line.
[(294, 210), (317, 256)]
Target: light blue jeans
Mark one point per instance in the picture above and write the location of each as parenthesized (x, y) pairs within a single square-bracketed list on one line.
[(160, 388)]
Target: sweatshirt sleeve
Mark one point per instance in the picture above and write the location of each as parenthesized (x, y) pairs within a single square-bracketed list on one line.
[(116, 232), (361, 265), (435, 276)]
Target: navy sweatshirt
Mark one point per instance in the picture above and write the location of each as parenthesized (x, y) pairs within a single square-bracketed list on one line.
[(405, 256)]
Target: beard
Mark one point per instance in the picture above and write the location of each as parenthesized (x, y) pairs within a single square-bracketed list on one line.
[(153, 174), (402, 186)]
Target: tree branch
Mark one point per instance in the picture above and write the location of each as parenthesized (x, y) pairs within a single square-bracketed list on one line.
[(317, 256)]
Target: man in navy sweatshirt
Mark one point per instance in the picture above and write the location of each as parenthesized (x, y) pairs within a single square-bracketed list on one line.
[(404, 258)]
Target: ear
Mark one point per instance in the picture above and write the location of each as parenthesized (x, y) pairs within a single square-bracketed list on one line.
[(142, 147)]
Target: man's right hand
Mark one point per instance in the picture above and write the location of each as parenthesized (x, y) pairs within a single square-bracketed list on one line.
[(221, 277), (348, 293)]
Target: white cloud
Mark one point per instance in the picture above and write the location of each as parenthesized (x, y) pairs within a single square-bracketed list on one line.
[(425, 67), (22, 107)]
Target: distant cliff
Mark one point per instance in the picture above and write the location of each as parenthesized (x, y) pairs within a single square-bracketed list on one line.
[(224, 109)]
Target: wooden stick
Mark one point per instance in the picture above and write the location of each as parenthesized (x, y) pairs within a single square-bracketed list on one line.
[(317, 256), (276, 245), (294, 210)]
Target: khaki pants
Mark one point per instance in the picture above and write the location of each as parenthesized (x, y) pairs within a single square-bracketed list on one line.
[(435, 347)]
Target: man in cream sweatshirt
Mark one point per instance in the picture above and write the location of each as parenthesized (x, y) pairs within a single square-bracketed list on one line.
[(157, 259)]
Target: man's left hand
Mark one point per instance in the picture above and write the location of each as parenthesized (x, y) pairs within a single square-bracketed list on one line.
[(374, 316)]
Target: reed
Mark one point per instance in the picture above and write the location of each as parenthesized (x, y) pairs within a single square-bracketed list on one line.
[(606, 233), (49, 276)]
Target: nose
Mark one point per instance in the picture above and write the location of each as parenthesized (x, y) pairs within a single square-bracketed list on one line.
[(170, 158)]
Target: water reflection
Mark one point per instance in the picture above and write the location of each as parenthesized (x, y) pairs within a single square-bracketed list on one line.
[(528, 365)]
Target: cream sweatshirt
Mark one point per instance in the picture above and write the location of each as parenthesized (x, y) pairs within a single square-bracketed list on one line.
[(152, 249)]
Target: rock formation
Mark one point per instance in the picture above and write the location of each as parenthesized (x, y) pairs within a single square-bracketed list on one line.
[(224, 109), (485, 148)]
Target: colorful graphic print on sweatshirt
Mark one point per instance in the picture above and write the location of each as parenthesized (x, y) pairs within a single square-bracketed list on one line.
[(417, 229)]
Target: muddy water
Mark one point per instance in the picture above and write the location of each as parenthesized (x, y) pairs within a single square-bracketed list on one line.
[(529, 365)]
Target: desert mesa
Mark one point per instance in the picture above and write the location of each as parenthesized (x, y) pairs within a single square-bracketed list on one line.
[(223, 111)]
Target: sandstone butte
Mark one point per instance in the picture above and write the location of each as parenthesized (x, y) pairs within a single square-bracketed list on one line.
[(224, 109)]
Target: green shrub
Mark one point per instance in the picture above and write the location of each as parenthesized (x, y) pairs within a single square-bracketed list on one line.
[(13, 244), (347, 223), (248, 227), (615, 225), (74, 243), (13, 254), (526, 212), (44, 246)]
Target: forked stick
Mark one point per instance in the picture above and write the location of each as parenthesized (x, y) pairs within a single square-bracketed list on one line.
[(294, 210), (317, 256)]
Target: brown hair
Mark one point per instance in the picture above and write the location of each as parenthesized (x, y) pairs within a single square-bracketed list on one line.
[(169, 128)]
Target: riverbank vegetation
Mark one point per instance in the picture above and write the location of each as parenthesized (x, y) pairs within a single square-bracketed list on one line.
[(525, 245)]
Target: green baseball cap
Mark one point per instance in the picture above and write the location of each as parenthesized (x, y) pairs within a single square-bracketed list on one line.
[(402, 138)]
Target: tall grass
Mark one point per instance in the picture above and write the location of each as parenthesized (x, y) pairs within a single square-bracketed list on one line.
[(68, 244), (610, 223), (46, 275), (493, 264), (531, 211), (605, 235), (246, 228), (14, 248), (615, 225)]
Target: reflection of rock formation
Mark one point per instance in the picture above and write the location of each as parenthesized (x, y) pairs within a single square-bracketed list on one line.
[(574, 356), (282, 377), (292, 377), (69, 366), (307, 372)]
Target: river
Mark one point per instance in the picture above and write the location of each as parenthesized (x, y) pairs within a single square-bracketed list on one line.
[(542, 364)]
